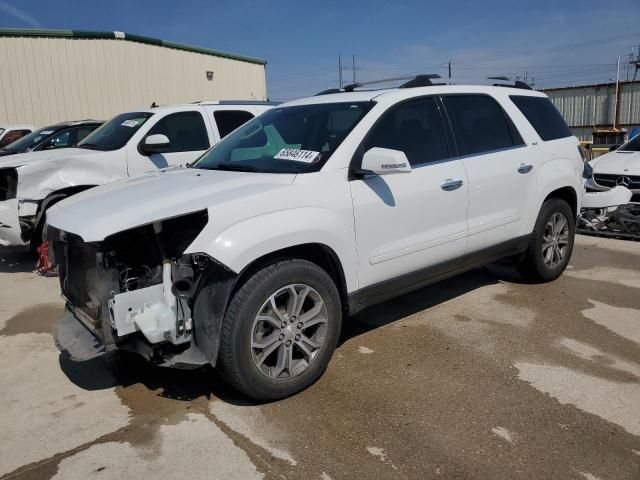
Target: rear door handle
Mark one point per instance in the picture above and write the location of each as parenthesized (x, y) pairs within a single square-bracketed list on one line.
[(450, 185), (524, 168)]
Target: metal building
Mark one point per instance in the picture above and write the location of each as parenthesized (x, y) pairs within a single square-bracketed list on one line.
[(48, 76), (593, 108)]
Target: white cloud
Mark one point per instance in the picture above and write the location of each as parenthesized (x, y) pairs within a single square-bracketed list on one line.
[(19, 14)]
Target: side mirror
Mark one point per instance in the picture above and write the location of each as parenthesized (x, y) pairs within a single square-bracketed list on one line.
[(157, 143), (384, 161)]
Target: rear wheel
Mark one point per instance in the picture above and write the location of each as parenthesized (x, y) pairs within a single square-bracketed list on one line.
[(280, 330), (551, 242)]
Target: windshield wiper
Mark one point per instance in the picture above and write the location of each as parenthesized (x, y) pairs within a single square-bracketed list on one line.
[(234, 167)]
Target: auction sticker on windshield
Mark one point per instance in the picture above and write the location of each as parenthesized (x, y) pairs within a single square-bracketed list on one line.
[(306, 156), (130, 123)]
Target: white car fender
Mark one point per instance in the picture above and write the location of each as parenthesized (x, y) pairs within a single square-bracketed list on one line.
[(236, 246), (37, 180)]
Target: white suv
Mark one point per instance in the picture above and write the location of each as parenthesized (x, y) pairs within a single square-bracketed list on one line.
[(251, 260), (129, 144)]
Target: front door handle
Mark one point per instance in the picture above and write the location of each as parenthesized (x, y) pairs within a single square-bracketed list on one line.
[(524, 168), (450, 185)]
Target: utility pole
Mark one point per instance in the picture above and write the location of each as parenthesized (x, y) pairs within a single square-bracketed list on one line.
[(354, 68), (449, 65), (616, 111), (340, 70)]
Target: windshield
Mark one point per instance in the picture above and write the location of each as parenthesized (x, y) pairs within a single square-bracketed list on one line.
[(30, 140), (116, 132), (286, 140), (632, 145)]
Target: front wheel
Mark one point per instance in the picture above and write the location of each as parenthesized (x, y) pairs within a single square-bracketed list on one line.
[(280, 330), (551, 243)]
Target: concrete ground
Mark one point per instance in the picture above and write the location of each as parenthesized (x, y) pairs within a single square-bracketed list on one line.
[(480, 376)]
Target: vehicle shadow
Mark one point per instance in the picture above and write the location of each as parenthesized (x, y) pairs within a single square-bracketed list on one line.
[(16, 259), (411, 303), (122, 369)]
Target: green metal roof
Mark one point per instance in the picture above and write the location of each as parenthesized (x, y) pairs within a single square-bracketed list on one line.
[(85, 34)]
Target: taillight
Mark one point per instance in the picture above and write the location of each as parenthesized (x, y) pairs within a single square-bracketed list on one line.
[(584, 153)]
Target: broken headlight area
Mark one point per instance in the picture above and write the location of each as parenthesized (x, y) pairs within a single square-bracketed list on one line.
[(8, 183), (134, 289)]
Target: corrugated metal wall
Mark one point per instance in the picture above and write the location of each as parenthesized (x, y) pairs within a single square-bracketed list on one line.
[(46, 80), (586, 107)]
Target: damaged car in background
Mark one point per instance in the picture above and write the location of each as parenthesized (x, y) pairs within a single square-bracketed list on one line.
[(129, 144), (250, 260), (611, 205)]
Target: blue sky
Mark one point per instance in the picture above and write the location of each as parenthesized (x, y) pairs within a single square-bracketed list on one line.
[(556, 42)]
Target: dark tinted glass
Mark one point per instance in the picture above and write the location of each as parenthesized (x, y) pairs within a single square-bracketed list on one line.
[(479, 124), (413, 127), (229, 120), (116, 132), (185, 130), (21, 140), (59, 140), (543, 116)]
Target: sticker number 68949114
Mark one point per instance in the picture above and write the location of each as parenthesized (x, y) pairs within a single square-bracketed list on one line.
[(306, 156)]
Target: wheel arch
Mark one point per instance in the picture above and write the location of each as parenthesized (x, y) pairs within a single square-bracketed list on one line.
[(219, 284), (320, 254), (568, 194)]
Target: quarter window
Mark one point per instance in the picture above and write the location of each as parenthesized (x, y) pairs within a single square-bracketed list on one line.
[(415, 128), (185, 130), (229, 120), (480, 124), (543, 116)]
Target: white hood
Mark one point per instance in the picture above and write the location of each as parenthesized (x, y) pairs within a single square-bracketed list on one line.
[(21, 159), (621, 163), (125, 204)]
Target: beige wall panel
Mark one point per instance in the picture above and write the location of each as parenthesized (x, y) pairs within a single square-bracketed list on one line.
[(46, 80)]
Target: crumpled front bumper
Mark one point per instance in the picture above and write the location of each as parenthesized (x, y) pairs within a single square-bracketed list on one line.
[(10, 233), (80, 342), (608, 198), (75, 340)]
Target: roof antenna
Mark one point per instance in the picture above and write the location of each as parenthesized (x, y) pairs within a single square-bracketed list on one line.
[(153, 105)]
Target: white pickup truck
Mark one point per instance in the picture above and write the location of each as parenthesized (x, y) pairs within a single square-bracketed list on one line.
[(129, 144)]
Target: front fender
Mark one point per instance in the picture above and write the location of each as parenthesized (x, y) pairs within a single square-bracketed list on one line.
[(38, 180), (238, 245)]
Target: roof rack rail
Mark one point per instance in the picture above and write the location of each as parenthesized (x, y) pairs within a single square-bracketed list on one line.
[(412, 81), (516, 84), (236, 102), (421, 81)]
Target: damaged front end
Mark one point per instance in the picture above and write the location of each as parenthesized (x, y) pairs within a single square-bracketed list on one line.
[(608, 210), (137, 291)]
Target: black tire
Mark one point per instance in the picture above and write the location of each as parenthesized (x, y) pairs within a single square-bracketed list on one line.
[(532, 265), (236, 359)]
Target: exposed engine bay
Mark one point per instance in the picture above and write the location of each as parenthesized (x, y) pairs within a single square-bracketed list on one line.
[(135, 289)]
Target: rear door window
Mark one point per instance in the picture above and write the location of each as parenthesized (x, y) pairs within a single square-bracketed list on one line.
[(480, 125), (543, 116), (185, 130), (229, 120)]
